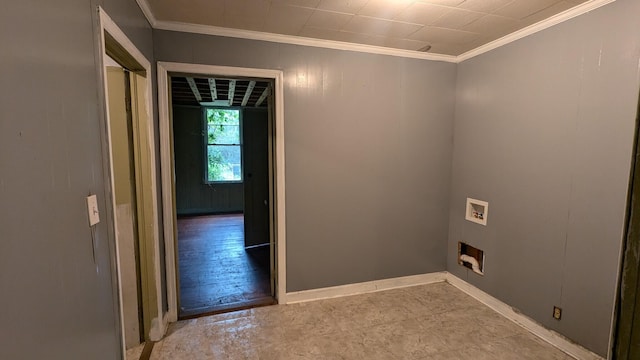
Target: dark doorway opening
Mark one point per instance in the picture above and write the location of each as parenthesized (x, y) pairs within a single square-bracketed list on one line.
[(223, 151)]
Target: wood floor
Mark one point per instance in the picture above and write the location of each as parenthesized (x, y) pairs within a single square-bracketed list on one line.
[(216, 272)]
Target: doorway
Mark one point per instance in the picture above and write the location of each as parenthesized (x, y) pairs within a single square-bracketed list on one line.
[(222, 151), (121, 119), (129, 167), (227, 124)]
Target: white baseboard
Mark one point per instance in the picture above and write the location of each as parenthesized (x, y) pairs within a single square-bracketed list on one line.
[(532, 326), (364, 287)]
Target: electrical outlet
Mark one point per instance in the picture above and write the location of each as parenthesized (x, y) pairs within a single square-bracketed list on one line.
[(557, 313)]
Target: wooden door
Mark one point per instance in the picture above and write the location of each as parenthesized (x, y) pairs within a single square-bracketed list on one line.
[(256, 176), (120, 124)]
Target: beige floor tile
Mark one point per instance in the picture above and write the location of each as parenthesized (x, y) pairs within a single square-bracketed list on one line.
[(517, 347), (435, 321)]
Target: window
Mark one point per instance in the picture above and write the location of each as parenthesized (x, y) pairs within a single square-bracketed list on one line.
[(223, 147)]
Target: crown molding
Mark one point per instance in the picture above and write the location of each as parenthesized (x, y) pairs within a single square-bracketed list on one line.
[(339, 45), (532, 29), (298, 40), (148, 13)]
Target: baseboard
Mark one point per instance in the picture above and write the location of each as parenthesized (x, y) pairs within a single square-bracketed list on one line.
[(550, 336), (364, 287), (532, 326)]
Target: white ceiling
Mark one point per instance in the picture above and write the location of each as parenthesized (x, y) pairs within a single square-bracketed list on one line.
[(450, 27)]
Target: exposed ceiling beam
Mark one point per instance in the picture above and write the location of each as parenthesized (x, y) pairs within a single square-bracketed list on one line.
[(215, 103), (194, 88), (212, 89), (264, 95), (247, 94), (232, 91)]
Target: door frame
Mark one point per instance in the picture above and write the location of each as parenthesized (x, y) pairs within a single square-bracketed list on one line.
[(168, 172), (107, 25)]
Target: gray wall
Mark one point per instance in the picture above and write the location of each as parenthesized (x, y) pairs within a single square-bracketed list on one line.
[(543, 132), (53, 295), (368, 155)]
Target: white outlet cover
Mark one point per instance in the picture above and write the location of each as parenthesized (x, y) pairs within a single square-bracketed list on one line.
[(92, 209)]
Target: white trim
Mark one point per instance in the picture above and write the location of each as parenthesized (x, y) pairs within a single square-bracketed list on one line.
[(281, 227), (298, 40), (167, 176), (365, 287), (532, 326), (166, 173), (103, 21), (148, 13), (108, 25), (532, 29)]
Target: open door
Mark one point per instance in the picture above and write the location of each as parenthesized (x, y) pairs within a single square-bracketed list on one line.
[(255, 125), (259, 183), (129, 155), (121, 125), (134, 221)]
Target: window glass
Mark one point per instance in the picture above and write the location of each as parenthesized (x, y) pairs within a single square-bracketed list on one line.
[(224, 153)]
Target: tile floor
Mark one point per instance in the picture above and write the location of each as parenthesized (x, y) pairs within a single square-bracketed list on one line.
[(435, 321)]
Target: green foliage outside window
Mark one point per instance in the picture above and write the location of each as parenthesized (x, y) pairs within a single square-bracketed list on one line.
[(223, 145)]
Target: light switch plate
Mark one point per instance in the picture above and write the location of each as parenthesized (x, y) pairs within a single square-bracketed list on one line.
[(92, 209)]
